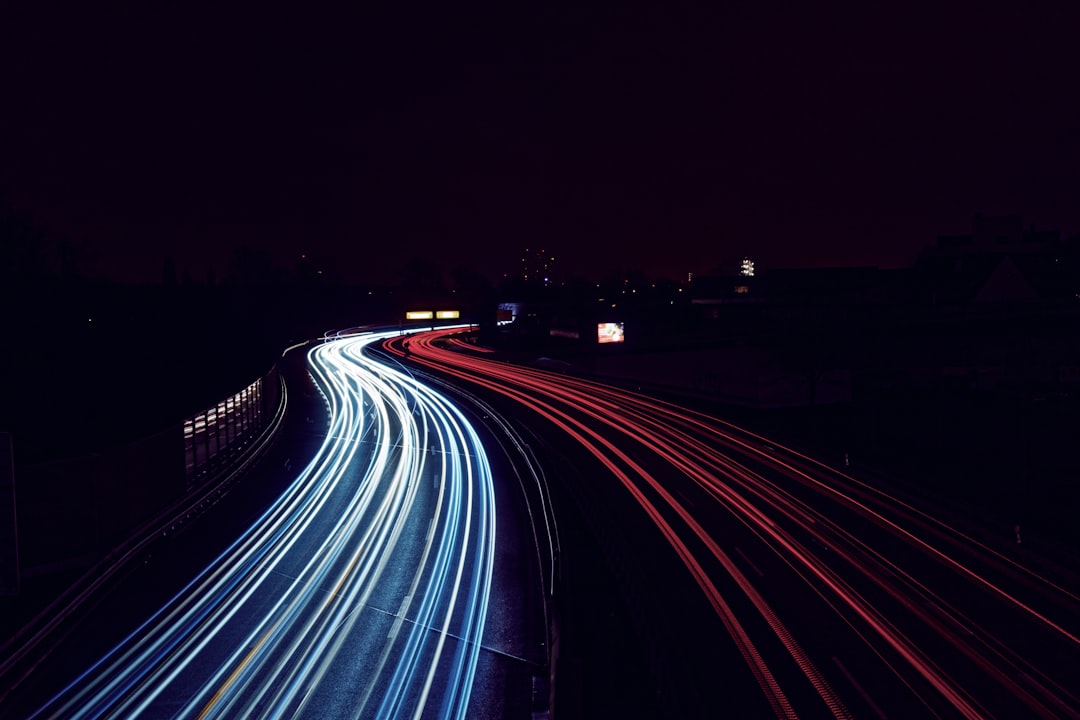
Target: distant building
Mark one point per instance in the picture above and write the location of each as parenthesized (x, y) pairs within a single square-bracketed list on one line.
[(734, 283), (721, 289), (1001, 262)]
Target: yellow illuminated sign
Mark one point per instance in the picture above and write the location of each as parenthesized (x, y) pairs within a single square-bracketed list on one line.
[(429, 315)]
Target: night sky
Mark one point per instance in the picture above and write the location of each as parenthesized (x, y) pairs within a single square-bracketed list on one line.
[(665, 137)]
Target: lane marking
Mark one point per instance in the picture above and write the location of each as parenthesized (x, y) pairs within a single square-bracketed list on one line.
[(399, 617)]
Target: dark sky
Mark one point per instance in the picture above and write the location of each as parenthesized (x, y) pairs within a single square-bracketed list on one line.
[(666, 137)]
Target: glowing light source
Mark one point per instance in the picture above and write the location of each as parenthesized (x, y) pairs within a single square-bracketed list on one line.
[(609, 332), (399, 497), (770, 495), (429, 314)]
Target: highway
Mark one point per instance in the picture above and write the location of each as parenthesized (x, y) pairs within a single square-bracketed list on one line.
[(364, 590), (767, 584)]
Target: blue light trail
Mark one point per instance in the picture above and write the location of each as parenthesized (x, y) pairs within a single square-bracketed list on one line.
[(362, 592)]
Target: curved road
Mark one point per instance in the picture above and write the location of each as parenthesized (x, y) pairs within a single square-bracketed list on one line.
[(363, 591), (834, 597)]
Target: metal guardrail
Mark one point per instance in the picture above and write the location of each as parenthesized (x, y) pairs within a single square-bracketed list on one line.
[(217, 433), (42, 634)]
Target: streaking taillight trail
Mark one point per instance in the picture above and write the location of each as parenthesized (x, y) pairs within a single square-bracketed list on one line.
[(836, 534)]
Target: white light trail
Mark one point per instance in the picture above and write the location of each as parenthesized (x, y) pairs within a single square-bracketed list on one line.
[(362, 541)]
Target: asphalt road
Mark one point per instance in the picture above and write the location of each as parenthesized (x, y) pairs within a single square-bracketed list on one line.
[(759, 582), (374, 563)]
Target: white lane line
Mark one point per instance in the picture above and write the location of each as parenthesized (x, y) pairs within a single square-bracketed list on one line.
[(399, 617)]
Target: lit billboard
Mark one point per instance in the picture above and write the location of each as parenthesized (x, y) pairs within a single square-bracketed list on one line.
[(609, 332), (432, 314)]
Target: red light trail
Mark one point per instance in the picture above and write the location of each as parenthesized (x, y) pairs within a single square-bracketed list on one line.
[(927, 601)]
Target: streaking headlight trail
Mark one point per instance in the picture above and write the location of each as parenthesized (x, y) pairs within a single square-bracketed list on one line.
[(362, 592)]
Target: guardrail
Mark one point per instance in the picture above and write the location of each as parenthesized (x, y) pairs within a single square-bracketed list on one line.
[(45, 618), (73, 512), (214, 436)]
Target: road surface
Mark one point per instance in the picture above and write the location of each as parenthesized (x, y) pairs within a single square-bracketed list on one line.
[(373, 586), (802, 591)]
